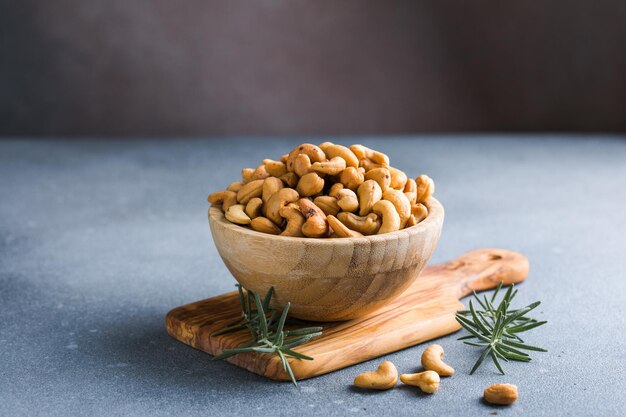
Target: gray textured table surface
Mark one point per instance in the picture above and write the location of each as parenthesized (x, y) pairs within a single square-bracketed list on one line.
[(98, 240)]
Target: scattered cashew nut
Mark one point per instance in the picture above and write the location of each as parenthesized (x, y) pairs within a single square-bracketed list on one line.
[(347, 200), (329, 205), (401, 203), (270, 187), (425, 188), (280, 199), (331, 167), (332, 150), (254, 207), (295, 220), (351, 178), (264, 225), (385, 377), (432, 360), (381, 175), (310, 184), (427, 381), (250, 190), (501, 394), (314, 153)]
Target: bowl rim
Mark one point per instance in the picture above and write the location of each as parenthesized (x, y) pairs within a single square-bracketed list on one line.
[(435, 215)]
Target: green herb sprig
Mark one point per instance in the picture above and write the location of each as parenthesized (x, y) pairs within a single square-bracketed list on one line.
[(497, 328), (267, 330)]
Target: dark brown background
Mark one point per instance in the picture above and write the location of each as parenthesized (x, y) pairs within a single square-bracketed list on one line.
[(205, 67)]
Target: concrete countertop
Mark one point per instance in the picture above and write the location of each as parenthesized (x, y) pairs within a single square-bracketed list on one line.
[(99, 239)]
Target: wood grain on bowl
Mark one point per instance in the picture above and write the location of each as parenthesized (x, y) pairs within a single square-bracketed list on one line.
[(328, 279)]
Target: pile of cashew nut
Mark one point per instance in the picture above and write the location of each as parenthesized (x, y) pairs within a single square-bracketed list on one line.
[(326, 191)]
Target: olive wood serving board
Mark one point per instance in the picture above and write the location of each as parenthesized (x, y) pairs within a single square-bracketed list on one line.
[(423, 312)]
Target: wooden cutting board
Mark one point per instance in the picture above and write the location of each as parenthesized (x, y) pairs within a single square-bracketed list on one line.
[(423, 312)]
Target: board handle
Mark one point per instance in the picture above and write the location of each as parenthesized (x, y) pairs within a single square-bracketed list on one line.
[(484, 269)]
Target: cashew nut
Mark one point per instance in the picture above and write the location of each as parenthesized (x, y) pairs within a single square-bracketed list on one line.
[(250, 190), (385, 377), (419, 211), (260, 173), (235, 186), (340, 229), (235, 214), (264, 225), (329, 205), (368, 165), (334, 190), (410, 190), (310, 184), (427, 381), (351, 178), (401, 203), (246, 174), (290, 179), (432, 360), (367, 225), (347, 200), (315, 225), (225, 198), (283, 158), (369, 193), (425, 188), (314, 153), (332, 150), (381, 176), (295, 220), (278, 200), (501, 394), (398, 178), (411, 221), (332, 167), (270, 186), (275, 168), (391, 218), (254, 207), (363, 152), (302, 165)]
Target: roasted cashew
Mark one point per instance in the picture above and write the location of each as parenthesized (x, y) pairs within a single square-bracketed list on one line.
[(331, 167), (425, 188), (340, 229), (369, 193), (328, 204), (332, 150), (280, 199), (411, 221), (398, 178), (264, 225), (235, 214), (347, 200), (271, 186), (363, 152), (283, 158), (254, 207), (410, 190), (401, 203), (260, 173), (391, 218), (290, 179), (368, 225), (246, 174), (432, 360), (310, 184), (381, 176), (385, 377), (419, 211), (501, 394), (368, 165), (314, 153), (295, 220), (250, 190), (225, 198), (427, 381), (235, 186), (275, 168), (315, 225), (351, 178), (334, 190), (302, 165)]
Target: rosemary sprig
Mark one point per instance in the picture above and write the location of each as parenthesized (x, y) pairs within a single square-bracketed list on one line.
[(267, 330), (497, 328)]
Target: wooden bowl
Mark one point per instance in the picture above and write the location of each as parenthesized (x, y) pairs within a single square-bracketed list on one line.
[(328, 279)]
